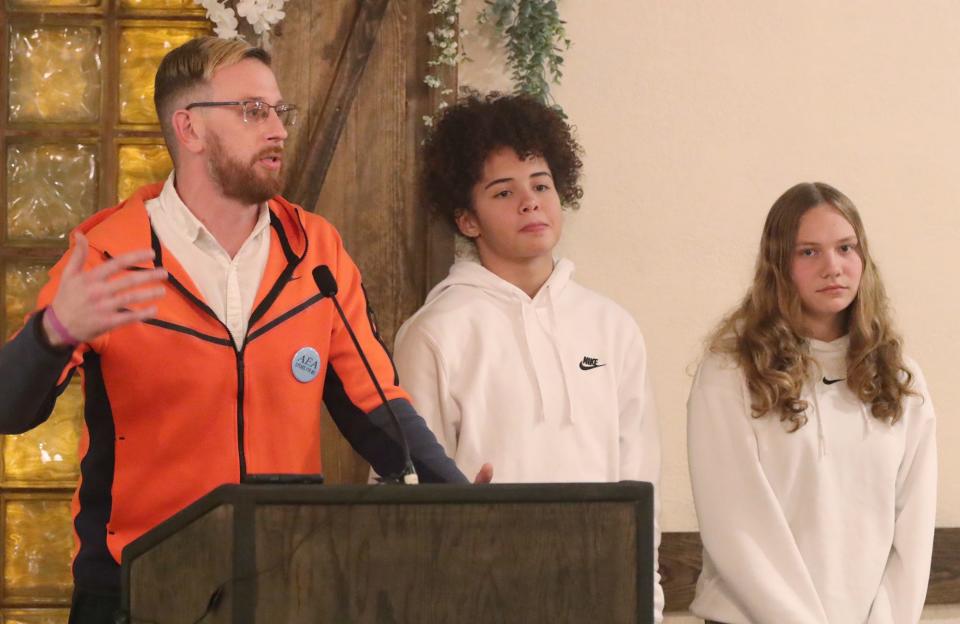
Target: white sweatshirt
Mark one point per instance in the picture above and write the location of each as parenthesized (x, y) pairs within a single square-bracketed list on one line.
[(550, 389), (831, 524)]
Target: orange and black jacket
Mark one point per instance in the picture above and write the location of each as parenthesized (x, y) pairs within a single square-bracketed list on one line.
[(173, 408)]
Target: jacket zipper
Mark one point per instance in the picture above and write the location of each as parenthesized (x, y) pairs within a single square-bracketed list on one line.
[(292, 261), (238, 357), (240, 424)]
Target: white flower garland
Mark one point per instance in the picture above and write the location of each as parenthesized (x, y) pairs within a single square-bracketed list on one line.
[(260, 14)]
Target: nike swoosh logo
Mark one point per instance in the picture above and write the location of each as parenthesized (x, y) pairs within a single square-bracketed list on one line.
[(830, 382), (590, 366)]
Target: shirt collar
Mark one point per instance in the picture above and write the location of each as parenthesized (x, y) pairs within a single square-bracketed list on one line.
[(188, 224)]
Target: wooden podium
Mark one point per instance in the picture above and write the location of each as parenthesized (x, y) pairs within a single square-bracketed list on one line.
[(399, 554)]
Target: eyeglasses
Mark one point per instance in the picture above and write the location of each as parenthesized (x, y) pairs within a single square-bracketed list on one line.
[(256, 111)]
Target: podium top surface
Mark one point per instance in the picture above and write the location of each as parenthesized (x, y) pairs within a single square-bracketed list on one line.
[(427, 493)]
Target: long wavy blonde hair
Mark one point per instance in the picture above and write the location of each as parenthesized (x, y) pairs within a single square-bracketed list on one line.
[(763, 334)]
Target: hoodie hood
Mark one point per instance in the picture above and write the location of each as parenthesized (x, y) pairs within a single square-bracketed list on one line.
[(543, 345), (468, 272), (831, 356)]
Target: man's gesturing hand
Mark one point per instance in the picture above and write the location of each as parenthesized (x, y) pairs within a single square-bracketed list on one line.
[(91, 303)]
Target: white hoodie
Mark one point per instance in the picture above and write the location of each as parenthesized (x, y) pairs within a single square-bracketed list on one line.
[(550, 389), (830, 524)]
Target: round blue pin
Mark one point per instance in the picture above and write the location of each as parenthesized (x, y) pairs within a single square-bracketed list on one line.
[(306, 364)]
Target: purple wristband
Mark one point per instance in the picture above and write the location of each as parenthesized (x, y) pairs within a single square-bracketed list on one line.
[(58, 327)]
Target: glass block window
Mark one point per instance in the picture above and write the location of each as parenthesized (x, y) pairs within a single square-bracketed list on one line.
[(37, 544), (141, 50), (24, 4), (22, 283), (79, 133), (47, 454), (54, 73), (157, 4), (34, 616), (51, 189), (142, 164)]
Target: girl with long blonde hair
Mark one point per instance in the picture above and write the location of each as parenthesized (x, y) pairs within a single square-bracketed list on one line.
[(811, 436)]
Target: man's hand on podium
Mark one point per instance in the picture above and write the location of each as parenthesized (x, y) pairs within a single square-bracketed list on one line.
[(485, 475)]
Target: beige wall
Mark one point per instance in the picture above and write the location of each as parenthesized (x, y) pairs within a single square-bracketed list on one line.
[(695, 116)]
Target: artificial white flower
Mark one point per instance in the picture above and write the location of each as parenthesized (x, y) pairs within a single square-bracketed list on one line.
[(262, 15), (224, 19)]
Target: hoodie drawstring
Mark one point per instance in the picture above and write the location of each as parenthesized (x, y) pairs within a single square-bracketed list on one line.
[(821, 438), (531, 361), (867, 419), (559, 346)]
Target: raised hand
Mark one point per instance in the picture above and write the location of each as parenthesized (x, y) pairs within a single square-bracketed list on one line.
[(90, 303)]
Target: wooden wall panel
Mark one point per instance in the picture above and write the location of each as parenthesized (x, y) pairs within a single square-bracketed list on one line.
[(945, 568), (306, 48), (369, 191), (366, 194), (681, 560)]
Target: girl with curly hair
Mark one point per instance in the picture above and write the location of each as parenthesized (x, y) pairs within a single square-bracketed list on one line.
[(509, 360), (812, 437)]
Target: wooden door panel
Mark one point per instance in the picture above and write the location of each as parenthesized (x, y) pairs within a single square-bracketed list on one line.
[(340, 52), (307, 47)]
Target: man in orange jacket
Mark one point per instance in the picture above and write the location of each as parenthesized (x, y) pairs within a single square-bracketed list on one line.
[(204, 344)]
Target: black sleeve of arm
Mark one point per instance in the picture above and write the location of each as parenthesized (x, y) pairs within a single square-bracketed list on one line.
[(29, 369), (374, 436)]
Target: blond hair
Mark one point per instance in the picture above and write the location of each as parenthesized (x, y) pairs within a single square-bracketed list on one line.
[(192, 65), (763, 333)]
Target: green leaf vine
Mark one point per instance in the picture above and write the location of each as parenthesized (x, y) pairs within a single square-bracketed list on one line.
[(532, 34), (535, 39), (445, 39)]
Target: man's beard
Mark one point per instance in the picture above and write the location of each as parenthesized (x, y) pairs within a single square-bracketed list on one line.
[(242, 181)]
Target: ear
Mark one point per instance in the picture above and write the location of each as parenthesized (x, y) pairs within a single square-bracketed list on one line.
[(188, 129), (468, 224)]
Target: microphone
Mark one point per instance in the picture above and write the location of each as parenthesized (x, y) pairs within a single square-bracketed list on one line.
[(325, 282), (327, 285)]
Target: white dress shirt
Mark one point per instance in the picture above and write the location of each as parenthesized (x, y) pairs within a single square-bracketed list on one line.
[(228, 285)]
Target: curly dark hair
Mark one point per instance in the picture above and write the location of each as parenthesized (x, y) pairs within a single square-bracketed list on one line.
[(470, 130)]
